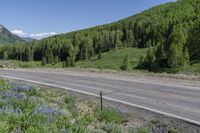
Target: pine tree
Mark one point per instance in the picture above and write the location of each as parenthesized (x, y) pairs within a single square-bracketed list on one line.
[(160, 56), (5, 55), (28, 54), (175, 55), (43, 62), (86, 50), (118, 37), (64, 64), (56, 60), (73, 63), (150, 59), (193, 42), (99, 55), (130, 38), (67, 62), (50, 57), (72, 59), (186, 57)]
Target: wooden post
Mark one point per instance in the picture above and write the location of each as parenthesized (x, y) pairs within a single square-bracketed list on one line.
[(101, 99)]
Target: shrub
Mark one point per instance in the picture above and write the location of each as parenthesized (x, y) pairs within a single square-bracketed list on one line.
[(110, 115), (110, 128), (126, 63), (139, 130)]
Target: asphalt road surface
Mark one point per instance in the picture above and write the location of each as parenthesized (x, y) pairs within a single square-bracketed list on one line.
[(165, 96)]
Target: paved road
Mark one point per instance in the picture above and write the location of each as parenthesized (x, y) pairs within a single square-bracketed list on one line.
[(168, 97)]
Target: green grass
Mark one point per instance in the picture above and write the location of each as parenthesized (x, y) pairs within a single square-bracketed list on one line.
[(26, 109), (114, 59), (110, 60), (33, 64), (192, 69), (110, 115)]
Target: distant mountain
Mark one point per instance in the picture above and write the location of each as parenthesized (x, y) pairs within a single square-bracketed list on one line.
[(6, 37), (27, 39)]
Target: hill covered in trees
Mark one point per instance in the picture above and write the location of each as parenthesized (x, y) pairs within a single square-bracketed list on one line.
[(7, 37), (170, 31)]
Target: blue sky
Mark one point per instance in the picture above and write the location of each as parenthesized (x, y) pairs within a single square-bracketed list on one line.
[(41, 18)]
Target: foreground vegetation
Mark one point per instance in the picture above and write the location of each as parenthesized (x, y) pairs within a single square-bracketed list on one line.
[(24, 108), (170, 31)]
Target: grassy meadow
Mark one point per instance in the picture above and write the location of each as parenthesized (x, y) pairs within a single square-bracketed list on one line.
[(109, 60)]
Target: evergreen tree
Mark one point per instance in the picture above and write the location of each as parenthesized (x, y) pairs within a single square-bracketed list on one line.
[(185, 57), (43, 62), (56, 60), (193, 42), (160, 56), (67, 62), (50, 57), (72, 59), (150, 59), (27, 56), (130, 40), (174, 56), (99, 55), (73, 63), (176, 43), (86, 50), (64, 64), (118, 37), (5, 55)]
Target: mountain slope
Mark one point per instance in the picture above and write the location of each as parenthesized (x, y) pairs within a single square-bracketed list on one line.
[(6, 37), (28, 39)]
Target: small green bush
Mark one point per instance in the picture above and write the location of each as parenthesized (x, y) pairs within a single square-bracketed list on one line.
[(138, 130), (110, 115), (111, 128)]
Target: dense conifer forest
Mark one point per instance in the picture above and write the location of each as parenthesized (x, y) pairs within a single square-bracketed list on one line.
[(171, 32)]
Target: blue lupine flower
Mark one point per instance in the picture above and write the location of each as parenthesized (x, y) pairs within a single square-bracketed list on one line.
[(64, 130), (161, 130), (19, 130), (12, 110)]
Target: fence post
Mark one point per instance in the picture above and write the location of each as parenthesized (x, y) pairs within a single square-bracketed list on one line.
[(101, 99)]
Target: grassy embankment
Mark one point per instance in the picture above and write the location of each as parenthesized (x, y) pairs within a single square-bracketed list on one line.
[(24, 108), (112, 60)]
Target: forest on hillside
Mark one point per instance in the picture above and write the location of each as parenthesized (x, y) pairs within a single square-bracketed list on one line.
[(171, 32)]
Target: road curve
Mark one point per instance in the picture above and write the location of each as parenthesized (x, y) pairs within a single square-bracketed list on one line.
[(170, 98)]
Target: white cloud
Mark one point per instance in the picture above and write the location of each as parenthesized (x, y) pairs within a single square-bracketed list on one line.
[(42, 35), (35, 35), (19, 32)]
